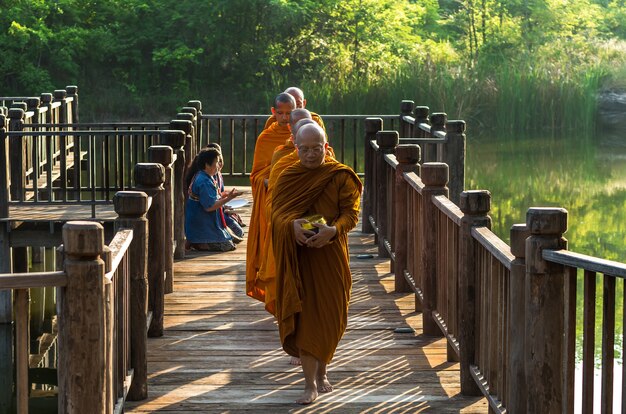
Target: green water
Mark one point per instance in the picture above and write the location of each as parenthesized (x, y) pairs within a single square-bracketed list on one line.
[(585, 175)]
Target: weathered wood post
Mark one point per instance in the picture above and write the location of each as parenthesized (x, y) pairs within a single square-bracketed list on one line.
[(438, 123), (163, 155), (408, 157), (544, 295), (186, 127), (406, 109), (131, 208), (372, 126), (435, 177), (176, 140), (150, 178), (420, 113), (475, 206), (81, 311), (5, 247), (454, 156), (72, 92), (17, 149), (516, 394), (387, 142), (194, 130), (109, 322), (199, 133), (6, 302), (187, 116)]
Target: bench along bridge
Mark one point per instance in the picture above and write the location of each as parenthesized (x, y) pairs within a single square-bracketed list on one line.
[(102, 310)]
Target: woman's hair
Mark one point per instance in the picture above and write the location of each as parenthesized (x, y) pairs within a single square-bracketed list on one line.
[(214, 145), (204, 157)]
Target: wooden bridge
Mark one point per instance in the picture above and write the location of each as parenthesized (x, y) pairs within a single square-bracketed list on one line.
[(445, 316)]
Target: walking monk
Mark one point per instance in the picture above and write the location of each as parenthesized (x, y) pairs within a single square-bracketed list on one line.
[(277, 134), (312, 268), (298, 95), (266, 275)]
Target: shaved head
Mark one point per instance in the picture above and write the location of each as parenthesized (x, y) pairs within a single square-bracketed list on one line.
[(311, 144), (300, 124), (298, 95), (310, 131), (297, 115), (284, 98)]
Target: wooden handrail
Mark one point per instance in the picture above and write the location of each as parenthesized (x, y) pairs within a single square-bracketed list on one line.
[(32, 280), (494, 245), (583, 261), (119, 246)]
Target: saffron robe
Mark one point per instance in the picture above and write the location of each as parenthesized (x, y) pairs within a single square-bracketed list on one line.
[(284, 156), (268, 140), (313, 284), (315, 117)]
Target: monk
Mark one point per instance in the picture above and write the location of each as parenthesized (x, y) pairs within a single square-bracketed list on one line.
[(266, 276), (313, 279), (268, 140), (298, 95)]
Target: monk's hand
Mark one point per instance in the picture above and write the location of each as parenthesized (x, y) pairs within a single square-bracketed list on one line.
[(323, 237), (302, 235)]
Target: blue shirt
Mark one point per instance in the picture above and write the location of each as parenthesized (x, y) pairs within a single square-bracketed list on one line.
[(202, 226)]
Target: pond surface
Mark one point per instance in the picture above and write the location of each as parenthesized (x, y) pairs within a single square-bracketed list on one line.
[(586, 176)]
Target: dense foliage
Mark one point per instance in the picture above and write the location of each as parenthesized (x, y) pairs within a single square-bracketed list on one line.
[(467, 57)]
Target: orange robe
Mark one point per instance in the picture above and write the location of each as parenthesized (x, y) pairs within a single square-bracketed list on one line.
[(268, 140), (284, 156), (315, 117), (313, 285)]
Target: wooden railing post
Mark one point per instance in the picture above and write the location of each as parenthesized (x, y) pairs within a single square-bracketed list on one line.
[(72, 92), (131, 208), (545, 325), (408, 157), (199, 133), (150, 178), (162, 154), (109, 322), (17, 149), (387, 142), (475, 206), (60, 95), (176, 140), (194, 130), (433, 152), (81, 307), (6, 297), (372, 126), (420, 113), (516, 394), (454, 156), (435, 177), (406, 109), (186, 127), (5, 247)]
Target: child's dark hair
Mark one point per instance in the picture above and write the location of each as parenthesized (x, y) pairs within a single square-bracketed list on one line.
[(204, 157)]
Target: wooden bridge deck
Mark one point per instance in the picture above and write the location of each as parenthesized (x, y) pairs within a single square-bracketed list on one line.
[(220, 351)]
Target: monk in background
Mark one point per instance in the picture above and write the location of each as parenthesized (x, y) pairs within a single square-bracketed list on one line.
[(266, 276), (298, 95), (312, 268), (277, 134)]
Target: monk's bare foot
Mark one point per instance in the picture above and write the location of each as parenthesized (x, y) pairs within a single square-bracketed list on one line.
[(295, 361), (323, 385), (310, 394)]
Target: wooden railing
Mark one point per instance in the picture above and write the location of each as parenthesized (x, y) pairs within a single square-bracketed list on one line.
[(52, 161), (508, 313), (237, 135), (102, 313)]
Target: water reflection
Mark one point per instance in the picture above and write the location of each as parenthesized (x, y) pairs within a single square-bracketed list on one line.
[(585, 175)]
